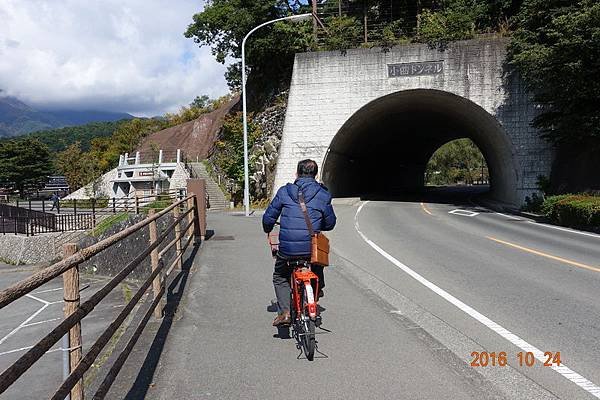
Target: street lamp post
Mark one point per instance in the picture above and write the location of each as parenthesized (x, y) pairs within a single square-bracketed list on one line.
[(299, 17)]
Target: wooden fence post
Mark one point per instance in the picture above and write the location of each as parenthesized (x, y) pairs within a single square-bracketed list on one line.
[(197, 187), (190, 216), (179, 256), (154, 260), (71, 298), (195, 217), (137, 205)]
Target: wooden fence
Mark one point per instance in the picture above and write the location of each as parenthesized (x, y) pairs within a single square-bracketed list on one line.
[(188, 226)]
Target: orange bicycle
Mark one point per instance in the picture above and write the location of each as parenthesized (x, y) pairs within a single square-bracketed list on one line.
[(304, 307)]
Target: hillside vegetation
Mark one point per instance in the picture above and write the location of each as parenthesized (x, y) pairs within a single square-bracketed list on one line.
[(58, 140), (18, 118)]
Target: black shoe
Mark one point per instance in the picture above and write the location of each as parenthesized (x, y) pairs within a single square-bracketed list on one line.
[(321, 294)]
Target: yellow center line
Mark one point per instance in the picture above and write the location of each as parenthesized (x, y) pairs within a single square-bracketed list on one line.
[(539, 253), (425, 209)]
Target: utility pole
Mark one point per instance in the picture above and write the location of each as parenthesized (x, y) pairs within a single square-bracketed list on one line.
[(314, 12), (365, 20)]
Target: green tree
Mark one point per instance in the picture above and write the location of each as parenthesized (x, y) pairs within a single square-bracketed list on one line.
[(556, 49), (81, 168), (453, 23), (68, 163), (343, 33), (229, 157), (458, 161), (200, 102), (269, 53), (24, 165)]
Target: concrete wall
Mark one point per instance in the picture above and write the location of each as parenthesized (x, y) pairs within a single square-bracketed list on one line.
[(105, 189), (112, 260), (328, 88)]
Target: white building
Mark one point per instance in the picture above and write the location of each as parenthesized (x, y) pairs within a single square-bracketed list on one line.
[(140, 175)]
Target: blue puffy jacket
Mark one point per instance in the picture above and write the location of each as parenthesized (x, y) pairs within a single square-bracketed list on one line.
[(294, 239)]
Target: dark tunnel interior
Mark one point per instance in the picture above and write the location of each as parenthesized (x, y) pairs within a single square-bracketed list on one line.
[(384, 147)]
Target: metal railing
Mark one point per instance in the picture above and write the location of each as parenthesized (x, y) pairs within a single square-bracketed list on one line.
[(187, 226), (35, 217)]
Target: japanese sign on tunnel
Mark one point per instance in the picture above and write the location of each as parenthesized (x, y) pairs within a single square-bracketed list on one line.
[(415, 69)]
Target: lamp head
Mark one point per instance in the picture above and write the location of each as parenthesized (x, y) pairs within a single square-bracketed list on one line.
[(301, 17)]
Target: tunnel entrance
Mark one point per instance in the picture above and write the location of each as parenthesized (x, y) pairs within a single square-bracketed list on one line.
[(383, 149)]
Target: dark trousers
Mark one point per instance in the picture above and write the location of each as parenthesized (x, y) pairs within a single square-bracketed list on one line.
[(281, 279)]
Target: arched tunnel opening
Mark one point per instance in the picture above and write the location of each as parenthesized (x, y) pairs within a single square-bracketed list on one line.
[(383, 149)]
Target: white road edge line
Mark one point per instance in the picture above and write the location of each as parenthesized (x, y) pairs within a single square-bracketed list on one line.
[(560, 228), (509, 216), (563, 370)]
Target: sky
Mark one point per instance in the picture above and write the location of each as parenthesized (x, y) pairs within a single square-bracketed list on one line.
[(111, 55)]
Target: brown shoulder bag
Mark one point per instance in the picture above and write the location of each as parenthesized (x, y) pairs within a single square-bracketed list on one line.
[(319, 244)]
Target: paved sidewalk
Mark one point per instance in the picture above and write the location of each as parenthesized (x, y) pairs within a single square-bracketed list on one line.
[(221, 345)]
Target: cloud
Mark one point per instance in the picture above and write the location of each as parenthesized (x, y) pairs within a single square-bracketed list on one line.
[(118, 55)]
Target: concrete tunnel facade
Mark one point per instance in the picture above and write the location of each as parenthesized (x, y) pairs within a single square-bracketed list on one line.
[(385, 146), (372, 119)]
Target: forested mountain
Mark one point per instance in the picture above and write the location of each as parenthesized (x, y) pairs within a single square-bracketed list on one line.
[(59, 139), (17, 118)]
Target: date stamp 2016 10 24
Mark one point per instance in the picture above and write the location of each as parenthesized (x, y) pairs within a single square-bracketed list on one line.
[(524, 359)]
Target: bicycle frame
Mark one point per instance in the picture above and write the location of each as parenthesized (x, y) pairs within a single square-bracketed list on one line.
[(303, 278), (304, 283)]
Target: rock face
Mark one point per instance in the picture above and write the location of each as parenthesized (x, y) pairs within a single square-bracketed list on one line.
[(196, 138), (264, 153)]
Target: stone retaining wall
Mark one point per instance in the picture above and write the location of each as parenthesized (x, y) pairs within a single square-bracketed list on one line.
[(112, 260), (17, 249)]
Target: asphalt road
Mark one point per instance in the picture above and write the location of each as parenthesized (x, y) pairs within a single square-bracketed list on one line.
[(473, 265), (414, 289)]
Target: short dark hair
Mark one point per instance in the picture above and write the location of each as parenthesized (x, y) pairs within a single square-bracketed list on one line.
[(307, 168)]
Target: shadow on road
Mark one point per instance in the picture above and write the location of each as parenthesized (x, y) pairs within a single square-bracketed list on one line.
[(175, 292), (455, 195)]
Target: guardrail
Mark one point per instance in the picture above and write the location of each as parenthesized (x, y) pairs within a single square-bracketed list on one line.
[(188, 226)]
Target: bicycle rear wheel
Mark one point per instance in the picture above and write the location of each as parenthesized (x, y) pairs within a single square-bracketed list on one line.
[(308, 340), (308, 330)]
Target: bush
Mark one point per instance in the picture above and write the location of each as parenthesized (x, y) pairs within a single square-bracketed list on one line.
[(533, 203), (162, 201), (108, 222), (549, 205), (438, 28), (575, 210)]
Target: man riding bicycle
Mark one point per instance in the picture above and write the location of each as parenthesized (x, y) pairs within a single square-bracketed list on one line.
[(294, 237)]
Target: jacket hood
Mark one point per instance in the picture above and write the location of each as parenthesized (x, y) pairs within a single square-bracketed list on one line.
[(309, 186)]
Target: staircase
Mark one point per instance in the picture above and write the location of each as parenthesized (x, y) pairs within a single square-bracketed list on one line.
[(218, 201)]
